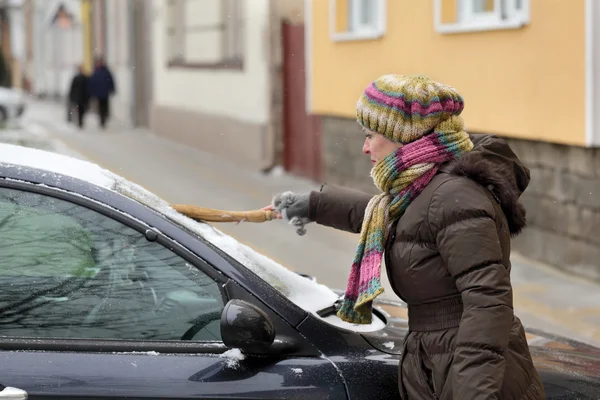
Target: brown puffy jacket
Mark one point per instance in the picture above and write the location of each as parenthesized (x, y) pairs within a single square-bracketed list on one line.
[(448, 258)]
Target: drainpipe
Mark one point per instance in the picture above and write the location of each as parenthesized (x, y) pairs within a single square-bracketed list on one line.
[(132, 59), (105, 27)]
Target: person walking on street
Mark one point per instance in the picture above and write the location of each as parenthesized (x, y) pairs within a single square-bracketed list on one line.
[(448, 206), (78, 96), (102, 86)]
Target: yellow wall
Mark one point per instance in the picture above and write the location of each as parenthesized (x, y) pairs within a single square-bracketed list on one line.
[(527, 83)]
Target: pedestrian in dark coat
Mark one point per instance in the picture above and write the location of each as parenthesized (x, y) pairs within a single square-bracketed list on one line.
[(79, 95), (102, 86), (443, 222)]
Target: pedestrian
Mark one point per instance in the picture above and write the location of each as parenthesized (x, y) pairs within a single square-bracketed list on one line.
[(448, 207), (78, 96), (102, 86)]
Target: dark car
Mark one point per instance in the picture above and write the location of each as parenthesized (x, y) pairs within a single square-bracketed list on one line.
[(107, 292)]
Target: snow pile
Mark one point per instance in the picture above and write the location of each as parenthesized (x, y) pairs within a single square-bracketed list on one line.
[(11, 392), (297, 371), (375, 325), (233, 358), (389, 345)]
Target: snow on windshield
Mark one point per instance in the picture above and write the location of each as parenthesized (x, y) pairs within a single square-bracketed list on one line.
[(306, 294)]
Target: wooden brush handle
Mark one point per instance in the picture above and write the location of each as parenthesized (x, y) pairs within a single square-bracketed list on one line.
[(214, 215)]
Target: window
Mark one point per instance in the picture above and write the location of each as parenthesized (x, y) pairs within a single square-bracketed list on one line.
[(454, 16), (70, 272), (356, 19), (205, 33)]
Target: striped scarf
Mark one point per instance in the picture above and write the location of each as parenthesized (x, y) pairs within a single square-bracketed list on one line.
[(401, 176)]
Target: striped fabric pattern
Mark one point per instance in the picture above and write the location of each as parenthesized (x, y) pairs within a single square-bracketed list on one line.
[(404, 108), (401, 176)]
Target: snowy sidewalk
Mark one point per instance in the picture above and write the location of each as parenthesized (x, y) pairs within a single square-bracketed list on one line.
[(544, 297)]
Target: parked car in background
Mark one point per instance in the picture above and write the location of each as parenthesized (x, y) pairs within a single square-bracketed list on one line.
[(12, 104), (109, 292)]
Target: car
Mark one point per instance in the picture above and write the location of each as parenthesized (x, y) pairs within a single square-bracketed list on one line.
[(108, 292), (12, 104)]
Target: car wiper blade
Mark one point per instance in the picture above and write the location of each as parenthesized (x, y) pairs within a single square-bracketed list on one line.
[(332, 309)]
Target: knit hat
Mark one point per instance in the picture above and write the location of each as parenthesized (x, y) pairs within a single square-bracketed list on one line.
[(404, 108)]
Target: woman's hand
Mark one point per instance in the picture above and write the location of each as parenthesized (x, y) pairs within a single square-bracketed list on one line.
[(271, 207), (292, 207)]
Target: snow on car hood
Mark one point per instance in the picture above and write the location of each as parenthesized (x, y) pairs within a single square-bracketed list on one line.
[(308, 295)]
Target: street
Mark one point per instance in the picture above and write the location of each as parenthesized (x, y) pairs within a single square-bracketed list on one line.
[(544, 297)]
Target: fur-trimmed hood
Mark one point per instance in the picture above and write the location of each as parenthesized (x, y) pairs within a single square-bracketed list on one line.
[(493, 165)]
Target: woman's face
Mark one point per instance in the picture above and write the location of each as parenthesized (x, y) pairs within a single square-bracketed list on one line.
[(378, 146)]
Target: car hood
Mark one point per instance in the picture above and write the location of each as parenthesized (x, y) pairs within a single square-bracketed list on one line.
[(567, 367)]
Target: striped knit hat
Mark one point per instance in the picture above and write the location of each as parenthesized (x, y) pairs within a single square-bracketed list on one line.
[(404, 108)]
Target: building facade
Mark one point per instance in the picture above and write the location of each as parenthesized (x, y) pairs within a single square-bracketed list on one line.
[(218, 76), (54, 45), (523, 76)]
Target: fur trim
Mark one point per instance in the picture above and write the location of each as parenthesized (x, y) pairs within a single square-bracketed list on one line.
[(496, 180)]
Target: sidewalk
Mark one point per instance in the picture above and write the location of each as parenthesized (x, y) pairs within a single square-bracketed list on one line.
[(544, 297)]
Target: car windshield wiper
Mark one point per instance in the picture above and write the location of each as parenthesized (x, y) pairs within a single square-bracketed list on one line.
[(332, 309)]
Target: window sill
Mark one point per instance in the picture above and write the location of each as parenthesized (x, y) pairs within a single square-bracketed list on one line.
[(231, 65), (482, 26), (349, 36)]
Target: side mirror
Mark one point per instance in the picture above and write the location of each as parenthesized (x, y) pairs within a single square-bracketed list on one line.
[(246, 327)]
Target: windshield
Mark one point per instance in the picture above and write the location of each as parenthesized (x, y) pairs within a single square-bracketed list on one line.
[(305, 293)]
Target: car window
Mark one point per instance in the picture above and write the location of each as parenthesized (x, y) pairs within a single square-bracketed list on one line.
[(67, 271)]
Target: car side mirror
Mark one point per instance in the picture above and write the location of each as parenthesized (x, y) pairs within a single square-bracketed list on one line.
[(246, 327)]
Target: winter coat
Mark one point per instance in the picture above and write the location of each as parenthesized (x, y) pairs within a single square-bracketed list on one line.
[(78, 92), (448, 258), (101, 83)]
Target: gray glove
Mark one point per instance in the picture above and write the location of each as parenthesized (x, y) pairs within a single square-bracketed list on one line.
[(294, 209)]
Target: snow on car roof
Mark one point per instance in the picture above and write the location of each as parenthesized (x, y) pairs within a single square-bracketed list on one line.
[(57, 163), (308, 295)]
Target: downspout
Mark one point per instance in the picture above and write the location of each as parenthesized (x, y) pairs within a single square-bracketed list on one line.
[(132, 60), (269, 145), (105, 33)]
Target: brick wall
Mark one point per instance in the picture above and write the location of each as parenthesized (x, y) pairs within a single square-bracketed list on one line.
[(562, 201)]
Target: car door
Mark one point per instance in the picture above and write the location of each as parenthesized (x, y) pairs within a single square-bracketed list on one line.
[(94, 304)]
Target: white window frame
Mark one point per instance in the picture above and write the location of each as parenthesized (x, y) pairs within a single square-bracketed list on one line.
[(364, 32), (471, 21)]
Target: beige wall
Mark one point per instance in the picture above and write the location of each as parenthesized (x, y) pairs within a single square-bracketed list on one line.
[(242, 95), (220, 110)]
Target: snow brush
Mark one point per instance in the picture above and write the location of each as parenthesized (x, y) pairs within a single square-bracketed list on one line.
[(214, 215)]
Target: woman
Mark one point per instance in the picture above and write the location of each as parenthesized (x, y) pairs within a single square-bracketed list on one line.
[(448, 208)]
